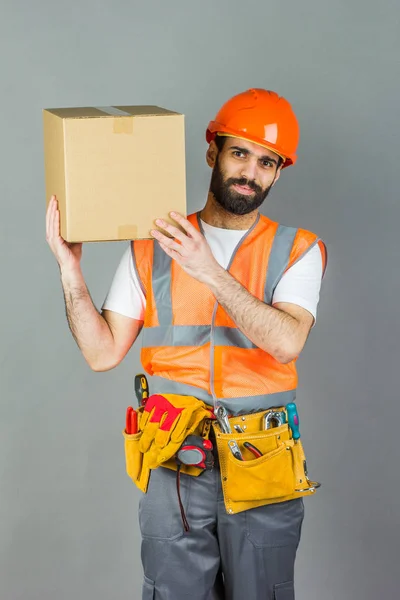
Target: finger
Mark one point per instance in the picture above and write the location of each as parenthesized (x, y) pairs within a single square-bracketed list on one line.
[(191, 230), (172, 253), (54, 210), (51, 222), (55, 225), (57, 231), (48, 214), (174, 231), (51, 217), (159, 236), (170, 243)]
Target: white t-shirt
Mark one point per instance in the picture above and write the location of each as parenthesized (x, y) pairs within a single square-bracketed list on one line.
[(299, 285)]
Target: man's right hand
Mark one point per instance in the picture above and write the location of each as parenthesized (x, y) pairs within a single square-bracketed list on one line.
[(68, 255)]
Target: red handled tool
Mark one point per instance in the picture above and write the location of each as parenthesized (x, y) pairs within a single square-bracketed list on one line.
[(253, 449), (131, 420)]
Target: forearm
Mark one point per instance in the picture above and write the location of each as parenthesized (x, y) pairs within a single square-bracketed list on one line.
[(272, 330), (89, 329)]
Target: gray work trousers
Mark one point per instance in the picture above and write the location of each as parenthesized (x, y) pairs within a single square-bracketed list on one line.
[(245, 556)]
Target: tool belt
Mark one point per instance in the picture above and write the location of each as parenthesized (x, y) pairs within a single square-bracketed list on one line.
[(279, 474)]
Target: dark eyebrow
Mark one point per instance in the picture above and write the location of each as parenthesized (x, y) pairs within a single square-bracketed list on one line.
[(245, 151)]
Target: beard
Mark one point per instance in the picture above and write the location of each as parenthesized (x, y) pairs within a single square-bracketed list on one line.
[(231, 200)]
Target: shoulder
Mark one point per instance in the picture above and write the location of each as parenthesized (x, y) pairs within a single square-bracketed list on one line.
[(304, 243)]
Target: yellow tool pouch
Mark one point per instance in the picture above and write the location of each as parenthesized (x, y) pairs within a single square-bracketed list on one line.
[(279, 474), (139, 464), (135, 460)]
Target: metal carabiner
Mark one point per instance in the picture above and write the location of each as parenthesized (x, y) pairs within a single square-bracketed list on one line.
[(234, 448), (310, 489), (274, 418)]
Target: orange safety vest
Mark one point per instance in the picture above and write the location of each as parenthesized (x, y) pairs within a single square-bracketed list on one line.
[(190, 345)]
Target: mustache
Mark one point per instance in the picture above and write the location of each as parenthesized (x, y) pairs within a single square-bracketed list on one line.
[(243, 181)]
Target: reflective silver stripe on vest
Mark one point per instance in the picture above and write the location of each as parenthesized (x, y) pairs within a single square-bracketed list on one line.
[(161, 280), (231, 336), (279, 259), (235, 406), (194, 335), (178, 335)]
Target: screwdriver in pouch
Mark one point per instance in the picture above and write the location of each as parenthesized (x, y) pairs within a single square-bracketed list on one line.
[(141, 389), (293, 420)]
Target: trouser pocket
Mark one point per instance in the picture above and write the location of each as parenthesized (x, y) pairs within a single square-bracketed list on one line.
[(148, 589), (282, 591)]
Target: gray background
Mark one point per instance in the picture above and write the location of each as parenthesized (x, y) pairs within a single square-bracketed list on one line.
[(68, 524)]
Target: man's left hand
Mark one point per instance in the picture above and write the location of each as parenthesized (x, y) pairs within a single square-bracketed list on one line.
[(190, 250)]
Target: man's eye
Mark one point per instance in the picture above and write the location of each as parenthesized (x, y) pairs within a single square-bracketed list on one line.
[(238, 153), (267, 163)]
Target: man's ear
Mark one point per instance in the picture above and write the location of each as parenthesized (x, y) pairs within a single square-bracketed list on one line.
[(211, 155)]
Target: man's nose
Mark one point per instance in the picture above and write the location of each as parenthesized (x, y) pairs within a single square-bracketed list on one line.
[(249, 170)]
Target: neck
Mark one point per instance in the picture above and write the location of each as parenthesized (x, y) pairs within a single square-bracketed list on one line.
[(215, 215)]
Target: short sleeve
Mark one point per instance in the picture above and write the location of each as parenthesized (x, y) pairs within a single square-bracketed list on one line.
[(125, 295), (301, 284)]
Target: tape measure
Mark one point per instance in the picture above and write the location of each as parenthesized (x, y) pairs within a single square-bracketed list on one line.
[(196, 452)]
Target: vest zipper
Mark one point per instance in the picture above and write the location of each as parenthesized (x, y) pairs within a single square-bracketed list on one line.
[(212, 370)]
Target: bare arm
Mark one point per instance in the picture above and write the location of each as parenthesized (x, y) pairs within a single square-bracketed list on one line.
[(104, 339), (281, 330)]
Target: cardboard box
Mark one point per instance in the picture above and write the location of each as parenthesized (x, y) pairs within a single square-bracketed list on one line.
[(114, 170)]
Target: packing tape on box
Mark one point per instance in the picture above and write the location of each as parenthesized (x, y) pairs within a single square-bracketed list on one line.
[(111, 110), (119, 125), (127, 232)]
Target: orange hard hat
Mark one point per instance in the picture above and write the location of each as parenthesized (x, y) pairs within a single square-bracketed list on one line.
[(262, 117)]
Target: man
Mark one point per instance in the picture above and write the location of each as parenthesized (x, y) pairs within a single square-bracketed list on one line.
[(226, 300)]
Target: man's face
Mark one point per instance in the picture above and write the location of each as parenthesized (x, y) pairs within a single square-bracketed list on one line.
[(242, 175)]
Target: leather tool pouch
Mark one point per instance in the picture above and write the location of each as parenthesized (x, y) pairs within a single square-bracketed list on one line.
[(135, 460), (278, 475)]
